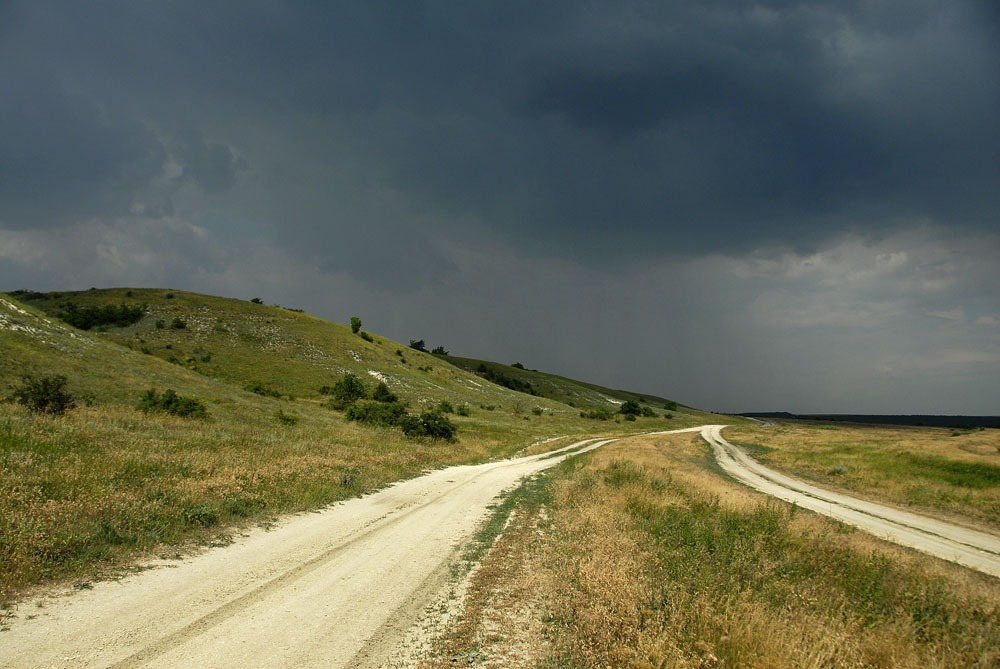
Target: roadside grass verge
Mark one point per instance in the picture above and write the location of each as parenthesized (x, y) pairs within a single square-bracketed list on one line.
[(645, 558), (501, 596), (939, 469)]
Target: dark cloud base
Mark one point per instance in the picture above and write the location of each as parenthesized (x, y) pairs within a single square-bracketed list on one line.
[(354, 150)]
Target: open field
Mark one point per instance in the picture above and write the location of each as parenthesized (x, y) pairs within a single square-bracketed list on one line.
[(336, 588), (643, 555), (86, 493), (937, 470)]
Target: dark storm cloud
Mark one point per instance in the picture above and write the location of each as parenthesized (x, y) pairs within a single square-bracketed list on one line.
[(531, 179), (563, 127)]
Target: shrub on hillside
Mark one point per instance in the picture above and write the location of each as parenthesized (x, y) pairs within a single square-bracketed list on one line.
[(347, 390), (597, 414), (355, 324), (418, 344), (178, 323), (86, 318), (45, 395), (518, 365), (648, 412), (537, 411), (372, 412), (431, 424), (439, 350), (258, 387), (172, 403), (285, 418), (670, 405), (504, 380), (383, 394), (444, 406), (463, 410), (630, 408), (367, 337)]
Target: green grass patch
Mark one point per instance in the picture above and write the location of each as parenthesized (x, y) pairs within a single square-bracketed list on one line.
[(955, 472)]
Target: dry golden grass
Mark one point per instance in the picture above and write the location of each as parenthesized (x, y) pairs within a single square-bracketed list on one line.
[(92, 490), (935, 469), (650, 558)]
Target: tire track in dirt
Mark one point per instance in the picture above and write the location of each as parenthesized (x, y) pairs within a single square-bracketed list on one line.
[(315, 591), (971, 548)]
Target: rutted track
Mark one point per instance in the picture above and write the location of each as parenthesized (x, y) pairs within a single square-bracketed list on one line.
[(978, 550), (327, 589)]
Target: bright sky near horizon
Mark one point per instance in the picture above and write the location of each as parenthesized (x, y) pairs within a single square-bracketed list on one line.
[(780, 206)]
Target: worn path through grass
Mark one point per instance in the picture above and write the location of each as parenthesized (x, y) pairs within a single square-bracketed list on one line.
[(642, 555)]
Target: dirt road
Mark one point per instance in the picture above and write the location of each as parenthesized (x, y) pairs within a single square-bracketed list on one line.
[(978, 550), (327, 589), (340, 587)]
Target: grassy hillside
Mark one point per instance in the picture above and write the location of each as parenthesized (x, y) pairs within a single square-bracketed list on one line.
[(289, 351), (105, 482), (571, 392)]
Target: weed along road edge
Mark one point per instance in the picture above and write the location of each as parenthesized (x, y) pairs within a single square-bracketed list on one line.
[(965, 546), (326, 589), (341, 587)]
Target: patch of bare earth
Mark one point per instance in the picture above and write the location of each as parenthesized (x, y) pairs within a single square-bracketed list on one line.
[(499, 620)]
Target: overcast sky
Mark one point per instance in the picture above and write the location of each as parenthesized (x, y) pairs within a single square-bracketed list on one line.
[(782, 206)]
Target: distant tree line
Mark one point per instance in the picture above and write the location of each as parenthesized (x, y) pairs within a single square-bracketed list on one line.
[(506, 381), (86, 318)]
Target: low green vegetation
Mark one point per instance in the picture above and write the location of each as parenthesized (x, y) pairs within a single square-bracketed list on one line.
[(285, 418), (639, 555), (89, 317), (259, 388), (173, 404), (373, 412), (346, 391), (491, 374), (44, 395), (383, 394), (433, 424), (84, 492), (922, 467), (584, 396)]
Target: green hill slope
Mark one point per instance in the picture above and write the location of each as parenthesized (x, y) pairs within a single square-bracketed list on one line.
[(105, 482), (288, 351), (569, 391)]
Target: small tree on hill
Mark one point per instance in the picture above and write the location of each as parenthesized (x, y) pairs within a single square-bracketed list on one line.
[(383, 394), (630, 408), (347, 390), (355, 324), (45, 395), (418, 344)]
